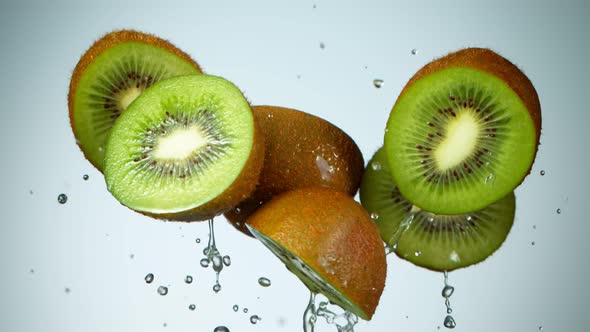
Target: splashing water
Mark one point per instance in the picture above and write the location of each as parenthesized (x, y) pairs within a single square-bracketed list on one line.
[(213, 257), (403, 227), (344, 322), (446, 293)]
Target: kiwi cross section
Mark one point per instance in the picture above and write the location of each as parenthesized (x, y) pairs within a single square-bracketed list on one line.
[(180, 145), (458, 140), (109, 85)]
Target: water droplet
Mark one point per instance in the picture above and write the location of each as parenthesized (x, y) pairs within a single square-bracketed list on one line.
[(162, 290), (188, 279), (67, 290), (374, 215), (490, 179), (216, 288), (32, 271), (540, 328), (469, 218), (245, 310), (378, 83), (255, 319), (376, 166), (165, 324), (542, 172), (264, 282), (237, 210), (236, 308), (131, 256), (221, 329), (62, 198), (192, 307), (226, 260), (322, 45), (205, 262), (198, 240), (315, 6), (417, 253), (447, 291), (449, 311), (558, 211), (414, 51), (450, 322), (31, 192), (534, 226), (149, 278), (533, 243)]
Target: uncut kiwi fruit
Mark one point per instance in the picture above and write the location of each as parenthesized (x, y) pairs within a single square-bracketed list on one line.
[(434, 241), (110, 75), (301, 150), (329, 242), (186, 149), (463, 133)]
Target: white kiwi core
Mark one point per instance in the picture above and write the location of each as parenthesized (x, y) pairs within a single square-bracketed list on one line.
[(180, 144), (460, 140), (127, 97)]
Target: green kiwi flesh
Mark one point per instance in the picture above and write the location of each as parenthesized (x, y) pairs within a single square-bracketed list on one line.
[(111, 82), (434, 241), (458, 140), (180, 144)]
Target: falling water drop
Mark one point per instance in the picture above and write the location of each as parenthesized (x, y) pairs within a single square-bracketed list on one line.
[(378, 83), (204, 262), (62, 198), (85, 177), (162, 290), (374, 215), (376, 166), (226, 260), (450, 322), (542, 172), (447, 291), (558, 211), (236, 308), (264, 282), (216, 288), (198, 240), (221, 329), (192, 307), (188, 279), (322, 45), (414, 51), (255, 319), (245, 310), (149, 278)]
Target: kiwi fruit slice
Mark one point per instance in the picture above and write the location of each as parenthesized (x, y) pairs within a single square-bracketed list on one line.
[(434, 241), (301, 150), (329, 241), (110, 75), (186, 149), (463, 133)]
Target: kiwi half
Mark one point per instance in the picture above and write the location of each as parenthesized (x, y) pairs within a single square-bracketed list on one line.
[(434, 241), (328, 240), (301, 150), (110, 75), (186, 149), (463, 133)]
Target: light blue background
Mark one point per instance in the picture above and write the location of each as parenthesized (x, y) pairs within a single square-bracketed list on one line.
[(271, 50)]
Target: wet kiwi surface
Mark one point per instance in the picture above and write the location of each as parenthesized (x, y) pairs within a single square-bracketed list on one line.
[(302, 150), (434, 241), (110, 75), (463, 133), (186, 149), (328, 240)]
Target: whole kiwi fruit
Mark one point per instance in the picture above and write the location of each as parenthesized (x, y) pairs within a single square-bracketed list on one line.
[(301, 150)]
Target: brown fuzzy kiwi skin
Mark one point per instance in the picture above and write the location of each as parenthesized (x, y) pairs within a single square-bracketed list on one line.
[(241, 188), (291, 136), (107, 41), (490, 62), (334, 235)]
